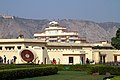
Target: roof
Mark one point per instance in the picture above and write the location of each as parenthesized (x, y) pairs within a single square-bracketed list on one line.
[(52, 43), (21, 41), (77, 44)]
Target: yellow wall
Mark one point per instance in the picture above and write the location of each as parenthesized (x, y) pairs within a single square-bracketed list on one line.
[(60, 51)]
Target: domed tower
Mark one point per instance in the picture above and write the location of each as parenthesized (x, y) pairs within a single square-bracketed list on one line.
[(53, 24)]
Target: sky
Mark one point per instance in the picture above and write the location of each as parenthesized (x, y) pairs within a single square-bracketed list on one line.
[(93, 10)]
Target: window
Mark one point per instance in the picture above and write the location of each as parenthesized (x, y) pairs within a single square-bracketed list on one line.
[(43, 47), (82, 60), (19, 47), (52, 40), (72, 36), (0, 48), (53, 36), (115, 58), (72, 41), (70, 59), (62, 40), (63, 36), (102, 58), (53, 32), (9, 48), (27, 47)]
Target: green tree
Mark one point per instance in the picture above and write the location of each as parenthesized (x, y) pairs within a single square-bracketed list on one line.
[(116, 40)]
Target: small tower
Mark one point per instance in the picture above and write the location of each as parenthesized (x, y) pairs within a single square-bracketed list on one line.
[(53, 24)]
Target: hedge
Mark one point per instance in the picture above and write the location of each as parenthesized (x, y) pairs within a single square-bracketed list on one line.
[(102, 70), (12, 74), (99, 68), (77, 67), (12, 66), (116, 78)]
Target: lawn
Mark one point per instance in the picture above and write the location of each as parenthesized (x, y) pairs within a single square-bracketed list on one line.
[(68, 75), (116, 78)]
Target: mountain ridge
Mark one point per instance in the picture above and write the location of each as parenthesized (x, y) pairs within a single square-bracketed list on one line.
[(93, 31)]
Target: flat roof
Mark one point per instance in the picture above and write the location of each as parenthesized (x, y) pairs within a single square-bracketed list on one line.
[(21, 40), (77, 44)]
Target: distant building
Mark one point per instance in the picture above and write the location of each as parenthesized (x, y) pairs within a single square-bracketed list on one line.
[(8, 17)]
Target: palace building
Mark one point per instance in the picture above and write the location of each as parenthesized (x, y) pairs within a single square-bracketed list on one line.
[(56, 33), (56, 44)]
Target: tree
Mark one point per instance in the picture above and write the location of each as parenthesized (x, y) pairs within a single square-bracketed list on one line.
[(116, 40)]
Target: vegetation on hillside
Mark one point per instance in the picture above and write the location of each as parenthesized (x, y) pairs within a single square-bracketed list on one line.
[(116, 40)]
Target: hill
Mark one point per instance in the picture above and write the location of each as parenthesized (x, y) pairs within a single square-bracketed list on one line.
[(12, 27)]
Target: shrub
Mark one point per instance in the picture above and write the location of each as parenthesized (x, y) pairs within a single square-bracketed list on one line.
[(12, 66), (102, 70), (17, 73), (116, 78), (76, 67)]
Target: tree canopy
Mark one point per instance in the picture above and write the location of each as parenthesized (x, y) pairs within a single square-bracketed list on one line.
[(116, 40)]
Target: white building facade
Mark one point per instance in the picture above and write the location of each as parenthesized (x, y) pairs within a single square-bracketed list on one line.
[(51, 45), (56, 33), (41, 52)]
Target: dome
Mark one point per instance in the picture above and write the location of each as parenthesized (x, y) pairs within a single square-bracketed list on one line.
[(53, 23)]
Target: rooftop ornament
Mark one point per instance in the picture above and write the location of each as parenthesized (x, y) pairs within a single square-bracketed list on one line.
[(54, 23)]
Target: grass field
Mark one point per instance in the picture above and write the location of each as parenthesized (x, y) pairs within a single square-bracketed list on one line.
[(68, 75), (116, 78)]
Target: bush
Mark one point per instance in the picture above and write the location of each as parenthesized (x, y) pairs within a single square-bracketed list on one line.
[(102, 70), (13, 66), (11, 74), (116, 78), (76, 67)]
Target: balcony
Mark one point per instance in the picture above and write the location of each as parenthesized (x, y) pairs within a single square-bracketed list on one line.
[(53, 38), (73, 38)]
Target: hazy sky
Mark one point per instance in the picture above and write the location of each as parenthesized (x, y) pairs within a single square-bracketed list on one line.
[(95, 10)]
